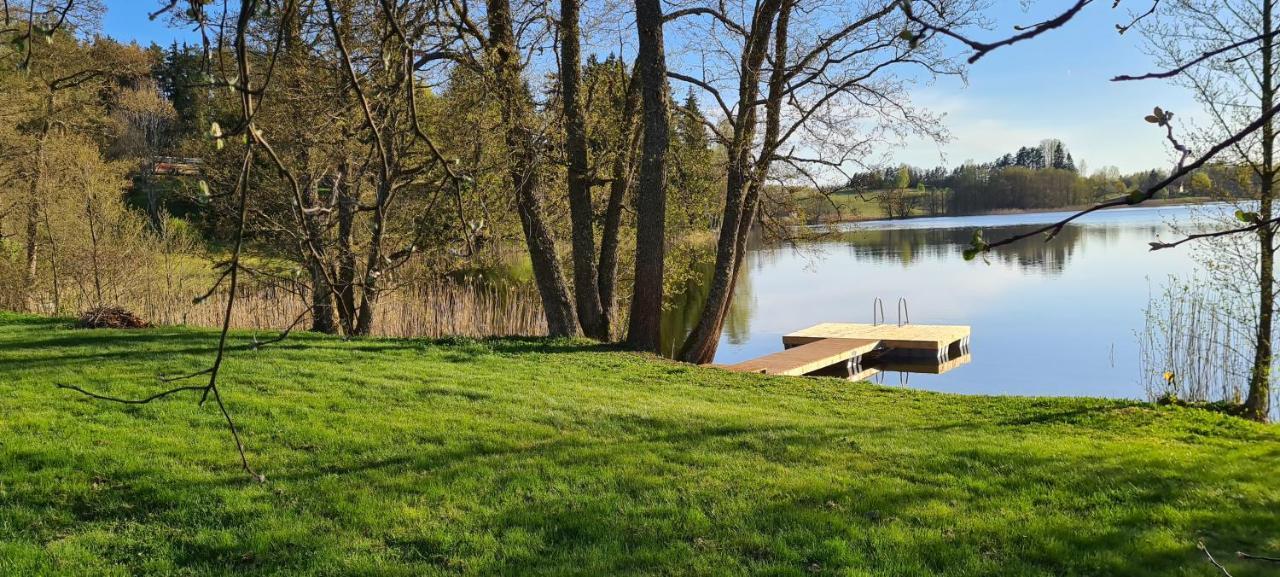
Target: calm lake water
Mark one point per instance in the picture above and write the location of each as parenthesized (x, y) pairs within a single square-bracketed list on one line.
[(1055, 318)]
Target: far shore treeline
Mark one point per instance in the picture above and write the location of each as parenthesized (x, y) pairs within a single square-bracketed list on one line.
[(1039, 177)]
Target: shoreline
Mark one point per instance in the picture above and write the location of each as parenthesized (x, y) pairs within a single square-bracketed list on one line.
[(1160, 202)]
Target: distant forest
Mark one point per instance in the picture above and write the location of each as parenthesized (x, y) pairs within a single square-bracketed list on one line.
[(1043, 176)]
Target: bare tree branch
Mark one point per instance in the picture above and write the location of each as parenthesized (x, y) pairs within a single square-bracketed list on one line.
[(1138, 196)]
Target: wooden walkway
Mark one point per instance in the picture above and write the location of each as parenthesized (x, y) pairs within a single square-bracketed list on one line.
[(828, 344), (807, 358)]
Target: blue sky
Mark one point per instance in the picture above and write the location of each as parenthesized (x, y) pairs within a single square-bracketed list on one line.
[(127, 20), (1053, 86), (1056, 85)]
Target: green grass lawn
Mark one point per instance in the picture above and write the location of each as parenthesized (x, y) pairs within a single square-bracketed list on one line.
[(398, 457), (852, 206)]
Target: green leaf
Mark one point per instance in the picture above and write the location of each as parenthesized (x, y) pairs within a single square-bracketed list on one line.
[(1249, 217), (1152, 119), (1135, 197), (204, 190), (970, 253)]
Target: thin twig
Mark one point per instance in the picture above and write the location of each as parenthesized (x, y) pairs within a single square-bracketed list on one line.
[(141, 401), (1200, 546), (1243, 555), (981, 49), (1194, 61), (198, 373)]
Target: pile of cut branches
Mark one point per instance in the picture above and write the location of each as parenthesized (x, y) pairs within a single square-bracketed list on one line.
[(110, 318)]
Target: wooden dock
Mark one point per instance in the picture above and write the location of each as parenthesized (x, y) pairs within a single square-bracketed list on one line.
[(807, 358), (822, 346), (904, 337)]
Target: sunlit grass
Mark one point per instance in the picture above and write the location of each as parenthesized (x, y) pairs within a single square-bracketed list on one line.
[(397, 457)]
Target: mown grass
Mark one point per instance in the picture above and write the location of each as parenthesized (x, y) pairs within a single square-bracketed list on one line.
[(505, 457)]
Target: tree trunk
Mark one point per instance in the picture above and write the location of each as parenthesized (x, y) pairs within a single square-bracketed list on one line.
[(585, 288), (700, 346), (33, 226), (1258, 403), (740, 196), (33, 243), (651, 206), (370, 287), (368, 300), (53, 263), (313, 252), (96, 269), (153, 200), (623, 171), (522, 150), (346, 277), (322, 318)]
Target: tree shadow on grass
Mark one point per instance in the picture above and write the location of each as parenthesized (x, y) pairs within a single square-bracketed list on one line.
[(644, 504), (696, 496), (689, 493), (47, 344)]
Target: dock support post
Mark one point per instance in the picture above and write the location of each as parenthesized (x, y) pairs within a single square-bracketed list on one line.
[(854, 365)]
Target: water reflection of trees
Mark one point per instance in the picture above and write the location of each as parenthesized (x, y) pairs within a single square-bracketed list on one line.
[(906, 245), (888, 245), (683, 308)]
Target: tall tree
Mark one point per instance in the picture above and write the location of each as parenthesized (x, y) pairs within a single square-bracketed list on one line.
[(839, 70), (524, 158), (622, 175), (1234, 90), (66, 86), (651, 68), (586, 287)]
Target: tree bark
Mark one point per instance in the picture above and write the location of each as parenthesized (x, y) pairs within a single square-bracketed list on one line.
[(740, 194), (645, 325), (623, 172), (346, 273), (1258, 403), (370, 287), (322, 317), (522, 150), (33, 220), (32, 246), (585, 286)]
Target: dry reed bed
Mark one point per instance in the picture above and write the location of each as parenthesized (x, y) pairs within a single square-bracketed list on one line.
[(430, 310)]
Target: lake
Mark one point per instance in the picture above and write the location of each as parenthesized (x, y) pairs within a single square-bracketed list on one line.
[(1056, 318)]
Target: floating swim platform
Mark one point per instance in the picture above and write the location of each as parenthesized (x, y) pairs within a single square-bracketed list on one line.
[(939, 348)]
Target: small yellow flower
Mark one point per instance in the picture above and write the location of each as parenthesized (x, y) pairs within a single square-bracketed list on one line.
[(1168, 376)]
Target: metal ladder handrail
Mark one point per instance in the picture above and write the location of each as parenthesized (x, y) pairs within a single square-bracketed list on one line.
[(903, 313), (877, 304)]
